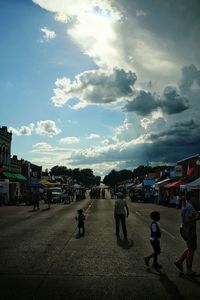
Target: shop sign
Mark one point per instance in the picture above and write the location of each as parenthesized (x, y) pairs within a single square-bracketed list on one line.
[(179, 171)]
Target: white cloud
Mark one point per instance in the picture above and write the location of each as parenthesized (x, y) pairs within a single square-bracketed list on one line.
[(93, 136), (47, 127), (47, 34), (42, 147), (23, 130), (69, 140), (95, 87)]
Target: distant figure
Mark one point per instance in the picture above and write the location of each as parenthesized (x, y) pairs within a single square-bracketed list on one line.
[(66, 196), (188, 232), (155, 240), (81, 222), (121, 211), (49, 198), (36, 199)]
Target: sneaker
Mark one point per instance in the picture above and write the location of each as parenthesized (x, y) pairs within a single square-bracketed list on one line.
[(156, 266), (179, 266), (146, 260)]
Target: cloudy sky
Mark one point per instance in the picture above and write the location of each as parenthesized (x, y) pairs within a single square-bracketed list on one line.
[(105, 84)]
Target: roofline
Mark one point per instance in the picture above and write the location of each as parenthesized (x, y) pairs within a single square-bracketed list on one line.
[(188, 158)]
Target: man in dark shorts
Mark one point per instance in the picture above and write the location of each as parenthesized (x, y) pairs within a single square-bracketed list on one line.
[(188, 232)]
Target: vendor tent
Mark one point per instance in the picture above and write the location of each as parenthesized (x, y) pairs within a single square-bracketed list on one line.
[(162, 182), (193, 185), (46, 182), (14, 176), (36, 184), (138, 186), (148, 182), (174, 184)]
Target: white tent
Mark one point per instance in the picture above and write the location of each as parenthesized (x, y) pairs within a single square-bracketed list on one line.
[(160, 183), (77, 186), (193, 185)]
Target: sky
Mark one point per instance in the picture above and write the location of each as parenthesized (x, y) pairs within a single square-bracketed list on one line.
[(105, 84)]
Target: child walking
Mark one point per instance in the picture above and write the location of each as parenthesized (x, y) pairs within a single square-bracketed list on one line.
[(81, 219), (154, 240)]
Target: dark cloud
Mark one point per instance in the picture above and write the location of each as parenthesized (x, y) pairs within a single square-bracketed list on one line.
[(180, 141), (170, 103), (169, 146), (175, 23), (190, 74), (173, 103), (125, 81), (180, 130), (143, 104)]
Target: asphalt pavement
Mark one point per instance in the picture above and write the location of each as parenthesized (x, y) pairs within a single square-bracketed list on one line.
[(42, 257)]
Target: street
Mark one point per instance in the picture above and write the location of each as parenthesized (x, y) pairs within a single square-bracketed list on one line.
[(42, 258)]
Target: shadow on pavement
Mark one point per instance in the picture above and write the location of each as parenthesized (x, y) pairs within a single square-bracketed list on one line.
[(168, 284), (125, 244), (191, 279)]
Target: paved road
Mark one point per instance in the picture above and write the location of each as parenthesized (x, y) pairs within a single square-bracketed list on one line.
[(42, 258)]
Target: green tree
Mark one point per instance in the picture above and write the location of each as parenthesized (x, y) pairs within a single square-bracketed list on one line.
[(59, 170)]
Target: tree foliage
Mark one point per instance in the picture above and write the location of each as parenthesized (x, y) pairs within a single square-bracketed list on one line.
[(84, 176), (115, 177)]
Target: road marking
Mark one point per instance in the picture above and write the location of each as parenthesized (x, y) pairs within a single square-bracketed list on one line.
[(165, 231), (137, 213), (171, 235)]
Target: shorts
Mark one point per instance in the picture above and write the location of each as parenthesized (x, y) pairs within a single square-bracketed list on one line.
[(156, 246), (191, 244)]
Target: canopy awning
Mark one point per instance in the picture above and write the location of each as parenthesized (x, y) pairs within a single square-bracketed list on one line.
[(14, 176), (46, 182), (174, 184), (148, 182), (193, 185), (36, 184), (164, 181)]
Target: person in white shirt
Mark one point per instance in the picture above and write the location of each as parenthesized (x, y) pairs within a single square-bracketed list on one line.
[(121, 211)]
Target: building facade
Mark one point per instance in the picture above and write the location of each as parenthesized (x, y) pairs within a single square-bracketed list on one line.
[(8, 163)]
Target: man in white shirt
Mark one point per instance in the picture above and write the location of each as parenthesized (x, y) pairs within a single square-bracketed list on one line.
[(121, 211)]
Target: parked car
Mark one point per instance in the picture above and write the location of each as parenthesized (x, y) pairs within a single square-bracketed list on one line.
[(56, 194)]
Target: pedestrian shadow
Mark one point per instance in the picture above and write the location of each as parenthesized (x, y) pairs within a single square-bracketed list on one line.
[(168, 284), (32, 210), (46, 209), (191, 279), (78, 236), (125, 244)]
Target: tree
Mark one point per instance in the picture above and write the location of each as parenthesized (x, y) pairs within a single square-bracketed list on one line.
[(141, 171), (59, 170), (112, 178)]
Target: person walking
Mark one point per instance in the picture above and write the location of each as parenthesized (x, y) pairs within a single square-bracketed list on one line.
[(49, 198), (188, 232), (36, 199), (121, 211), (81, 222), (155, 240)]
